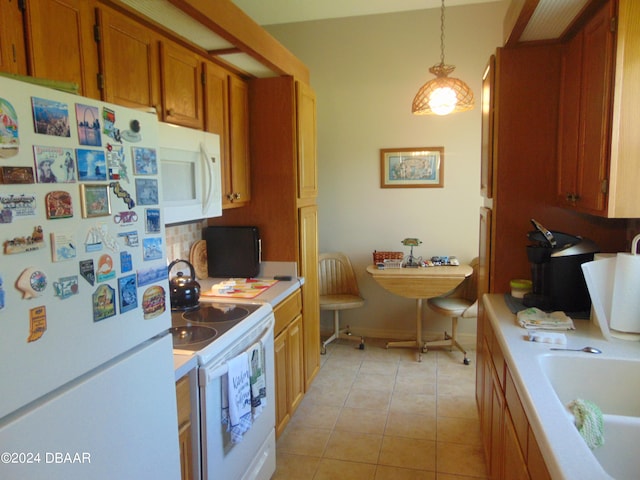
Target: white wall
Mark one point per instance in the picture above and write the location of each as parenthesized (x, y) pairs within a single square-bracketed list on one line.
[(366, 71)]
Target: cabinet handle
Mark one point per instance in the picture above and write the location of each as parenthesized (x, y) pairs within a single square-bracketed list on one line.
[(171, 112), (236, 196)]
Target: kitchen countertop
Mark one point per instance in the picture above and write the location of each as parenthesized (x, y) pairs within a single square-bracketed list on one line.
[(565, 452), (273, 296)]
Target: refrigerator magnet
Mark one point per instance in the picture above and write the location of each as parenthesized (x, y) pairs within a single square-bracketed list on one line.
[(123, 194), (51, 117), (105, 268), (103, 303), (63, 247), (59, 205), (144, 161), (16, 175), (31, 282), (126, 262), (133, 134), (37, 323), (153, 302), (116, 165), (147, 191), (152, 248), (1, 294), (152, 220), (87, 272), (28, 243), (66, 286), (127, 293), (9, 134), (152, 275), (88, 119), (21, 205), (54, 164), (131, 239)]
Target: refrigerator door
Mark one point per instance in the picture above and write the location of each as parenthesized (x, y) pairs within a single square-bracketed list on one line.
[(117, 422), (82, 251)]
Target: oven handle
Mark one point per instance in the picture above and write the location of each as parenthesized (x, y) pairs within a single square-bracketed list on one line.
[(209, 374)]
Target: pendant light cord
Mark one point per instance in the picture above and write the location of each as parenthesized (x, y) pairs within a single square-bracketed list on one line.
[(442, 33)]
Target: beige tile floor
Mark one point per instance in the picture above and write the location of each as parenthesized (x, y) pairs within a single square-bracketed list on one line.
[(378, 414)]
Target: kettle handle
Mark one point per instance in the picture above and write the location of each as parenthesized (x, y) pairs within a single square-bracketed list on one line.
[(192, 272)]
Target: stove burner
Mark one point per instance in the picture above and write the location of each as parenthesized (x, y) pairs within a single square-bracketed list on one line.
[(191, 334), (216, 313)]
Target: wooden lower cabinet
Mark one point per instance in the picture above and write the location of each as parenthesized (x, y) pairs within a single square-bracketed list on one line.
[(183, 398), (511, 449), (289, 360)]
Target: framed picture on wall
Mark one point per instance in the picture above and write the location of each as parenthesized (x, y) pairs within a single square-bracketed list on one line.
[(412, 167)]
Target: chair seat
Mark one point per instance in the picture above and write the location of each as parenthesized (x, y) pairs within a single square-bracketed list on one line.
[(449, 306), (340, 302)]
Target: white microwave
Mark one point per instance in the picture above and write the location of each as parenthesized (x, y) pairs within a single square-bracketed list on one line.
[(190, 174)]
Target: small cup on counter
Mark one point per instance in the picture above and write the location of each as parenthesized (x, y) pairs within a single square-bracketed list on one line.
[(520, 287)]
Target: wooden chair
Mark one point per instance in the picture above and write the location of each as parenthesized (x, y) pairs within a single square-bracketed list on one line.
[(461, 302), (338, 291)]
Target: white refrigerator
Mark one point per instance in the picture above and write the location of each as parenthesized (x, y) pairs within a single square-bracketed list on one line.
[(86, 368)]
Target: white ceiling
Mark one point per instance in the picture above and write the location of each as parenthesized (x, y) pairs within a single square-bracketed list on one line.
[(269, 12)]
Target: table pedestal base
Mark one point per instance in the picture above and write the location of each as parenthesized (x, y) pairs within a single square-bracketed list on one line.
[(417, 343)]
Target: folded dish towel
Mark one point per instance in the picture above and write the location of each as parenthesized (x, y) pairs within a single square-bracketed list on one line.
[(535, 319), (258, 379), (589, 421), (236, 397)]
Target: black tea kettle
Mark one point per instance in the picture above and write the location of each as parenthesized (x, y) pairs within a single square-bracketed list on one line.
[(183, 291)]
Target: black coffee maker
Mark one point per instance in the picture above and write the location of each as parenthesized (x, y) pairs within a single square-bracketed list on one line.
[(556, 273)]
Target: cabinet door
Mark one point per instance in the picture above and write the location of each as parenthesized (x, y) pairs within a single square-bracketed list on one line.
[(216, 106), (60, 42), (308, 220), (296, 363), (12, 48), (585, 116), (597, 57), (181, 79), (183, 400), (238, 191), (496, 467), (569, 124), (306, 140), (515, 468), (128, 61), (280, 365), (488, 111)]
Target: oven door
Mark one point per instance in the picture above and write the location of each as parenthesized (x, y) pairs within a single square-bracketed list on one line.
[(254, 456)]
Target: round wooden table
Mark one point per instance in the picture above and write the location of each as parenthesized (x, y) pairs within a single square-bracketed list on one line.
[(419, 283)]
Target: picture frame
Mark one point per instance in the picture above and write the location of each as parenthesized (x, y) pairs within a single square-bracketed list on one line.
[(95, 200), (412, 167)]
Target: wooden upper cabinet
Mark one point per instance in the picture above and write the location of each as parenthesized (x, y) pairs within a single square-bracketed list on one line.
[(569, 121), (128, 61), (182, 89), (595, 105), (13, 58), (216, 117), (238, 190), (598, 151), (306, 141), (488, 113), (61, 44)]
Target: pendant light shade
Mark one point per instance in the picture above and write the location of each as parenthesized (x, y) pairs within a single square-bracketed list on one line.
[(444, 94)]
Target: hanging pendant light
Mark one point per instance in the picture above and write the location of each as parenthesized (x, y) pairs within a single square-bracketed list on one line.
[(442, 95)]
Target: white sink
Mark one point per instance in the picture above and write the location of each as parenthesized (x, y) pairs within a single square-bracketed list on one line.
[(612, 384)]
